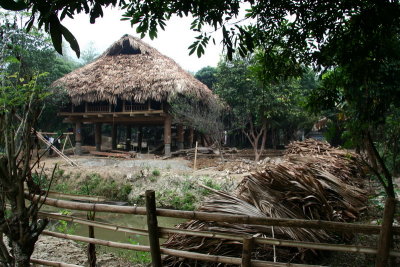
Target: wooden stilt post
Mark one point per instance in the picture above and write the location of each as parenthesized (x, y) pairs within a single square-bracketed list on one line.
[(128, 140), (191, 137), (195, 157), (180, 136), (78, 138), (140, 138), (167, 135), (97, 136), (246, 253), (152, 227), (114, 136)]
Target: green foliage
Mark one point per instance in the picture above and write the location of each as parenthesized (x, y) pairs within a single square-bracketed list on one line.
[(64, 226), (29, 54), (156, 172), (94, 184), (40, 180), (206, 75)]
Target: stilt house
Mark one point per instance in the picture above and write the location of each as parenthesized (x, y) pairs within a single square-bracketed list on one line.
[(130, 84)]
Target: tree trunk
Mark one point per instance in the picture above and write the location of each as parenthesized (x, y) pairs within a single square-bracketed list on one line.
[(22, 253)]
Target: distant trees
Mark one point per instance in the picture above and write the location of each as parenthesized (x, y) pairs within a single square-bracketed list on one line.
[(261, 102), (206, 116), (34, 54), (206, 75)]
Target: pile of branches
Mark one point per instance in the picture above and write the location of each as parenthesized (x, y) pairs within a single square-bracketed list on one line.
[(308, 186)]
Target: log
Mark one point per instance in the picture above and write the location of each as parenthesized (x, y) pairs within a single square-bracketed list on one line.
[(110, 154)]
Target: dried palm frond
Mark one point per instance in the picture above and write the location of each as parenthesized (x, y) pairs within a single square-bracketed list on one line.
[(322, 183)]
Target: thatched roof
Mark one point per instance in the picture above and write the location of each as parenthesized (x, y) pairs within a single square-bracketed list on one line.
[(131, 69)]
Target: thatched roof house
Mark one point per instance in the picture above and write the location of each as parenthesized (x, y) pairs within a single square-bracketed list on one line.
[(131, 83), (131, 69)]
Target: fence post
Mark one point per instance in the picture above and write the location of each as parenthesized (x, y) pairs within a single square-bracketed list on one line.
[(386, 235), (246, 253), (152, 227), (91, 248)]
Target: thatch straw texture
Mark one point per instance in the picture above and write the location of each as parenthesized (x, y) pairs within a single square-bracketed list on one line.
[(131, 70), (314, 185)]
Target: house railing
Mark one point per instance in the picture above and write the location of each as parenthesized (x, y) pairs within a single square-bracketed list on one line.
[(154, 232), (136, 107), (103, 108)]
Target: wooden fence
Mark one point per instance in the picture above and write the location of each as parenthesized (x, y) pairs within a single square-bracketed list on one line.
[(155, 232)]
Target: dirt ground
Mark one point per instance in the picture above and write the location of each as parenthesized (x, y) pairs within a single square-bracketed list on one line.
[(61, 250), (173, 174)]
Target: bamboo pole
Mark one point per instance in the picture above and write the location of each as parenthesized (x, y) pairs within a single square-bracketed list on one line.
[(221, 217), (98, 241), (165, 232), (53, 263), (152, 227), (171, 252), (101, 225), (195, 157), (76, 197), (246, 252)]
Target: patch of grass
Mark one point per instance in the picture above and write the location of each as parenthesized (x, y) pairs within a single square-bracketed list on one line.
[(40, 180), (210, 183), (62, 187), (64, 226), (156, 172)]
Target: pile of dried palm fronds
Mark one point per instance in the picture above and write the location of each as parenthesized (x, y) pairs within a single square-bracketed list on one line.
[(316, 185)]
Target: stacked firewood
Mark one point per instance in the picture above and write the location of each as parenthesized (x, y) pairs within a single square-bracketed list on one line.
[(320, 182)]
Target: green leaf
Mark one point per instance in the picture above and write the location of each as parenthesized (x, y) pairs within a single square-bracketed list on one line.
[(71, 40), (56, 33), (11, 59), (12, 5)]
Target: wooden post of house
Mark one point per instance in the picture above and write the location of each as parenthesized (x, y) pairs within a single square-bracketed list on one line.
[(128, 137), (114, 136), (140, 138), (97, 136), (152, 227), (167, 135), (180, 136), (191, 137), (78, 138)]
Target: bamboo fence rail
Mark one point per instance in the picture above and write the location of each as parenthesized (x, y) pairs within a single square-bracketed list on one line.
[(172, 252), (218, 217), (53, 263), (156, 232), (164, 232)]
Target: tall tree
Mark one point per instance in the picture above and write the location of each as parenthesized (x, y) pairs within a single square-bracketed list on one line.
[(206, 75)]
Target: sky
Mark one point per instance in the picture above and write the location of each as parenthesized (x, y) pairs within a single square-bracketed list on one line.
[(173, 42)]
